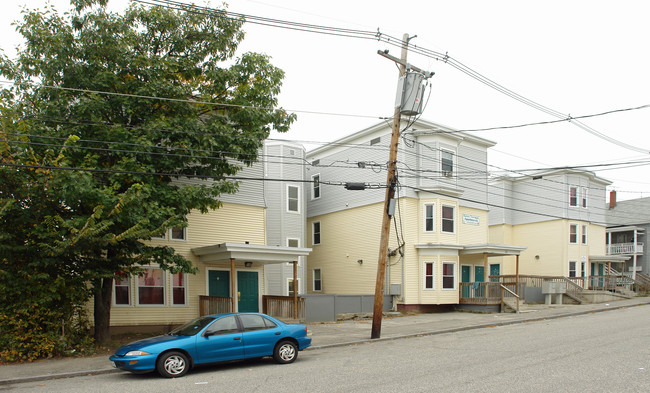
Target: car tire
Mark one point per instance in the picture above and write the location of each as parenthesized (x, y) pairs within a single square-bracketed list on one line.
[(285, 352), (172, 364)]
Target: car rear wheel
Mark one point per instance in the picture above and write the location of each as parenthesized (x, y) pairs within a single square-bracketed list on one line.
[(285, 352), (172, 364)]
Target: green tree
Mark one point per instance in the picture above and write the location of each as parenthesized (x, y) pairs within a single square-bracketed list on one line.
[(90, 159)]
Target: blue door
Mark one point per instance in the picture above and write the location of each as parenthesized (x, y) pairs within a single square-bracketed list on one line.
[(248, 293), (219, 283), (479, 277)]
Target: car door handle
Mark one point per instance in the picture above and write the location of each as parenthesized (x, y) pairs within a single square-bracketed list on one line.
[(237, 338), (277, 333)]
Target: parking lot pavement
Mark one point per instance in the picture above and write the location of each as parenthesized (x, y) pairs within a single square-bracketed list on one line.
[(330, 334)]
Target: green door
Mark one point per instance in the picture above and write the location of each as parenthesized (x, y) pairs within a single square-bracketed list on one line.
[(465, 272), (495, 270), (479, 276), (248, 293), (219, 283)]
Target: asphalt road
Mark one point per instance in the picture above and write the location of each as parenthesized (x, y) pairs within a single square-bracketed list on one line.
[(601, 352)]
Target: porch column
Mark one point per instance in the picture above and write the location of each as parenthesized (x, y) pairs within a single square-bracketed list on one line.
[(486, 272), (295, 290), (633, 258), (232, 284), (517, 281)]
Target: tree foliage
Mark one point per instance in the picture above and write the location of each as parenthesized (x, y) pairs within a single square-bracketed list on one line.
[(106, 112)]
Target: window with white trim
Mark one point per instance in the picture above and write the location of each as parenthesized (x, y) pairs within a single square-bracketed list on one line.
[(315, 232), (584, 234), (290, 285), (448, 275), (446, 162), (151, 287), (429, 275), (572, 268), (315, 186), (122, 292), (178, 234), (429, 217), (583, 195), (583, 269), (293, 195), (179, 289), (573, 196), (318, 281), (573, 233), (448, 219)]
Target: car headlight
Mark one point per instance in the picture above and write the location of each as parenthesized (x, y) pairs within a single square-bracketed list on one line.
[(137, 353)]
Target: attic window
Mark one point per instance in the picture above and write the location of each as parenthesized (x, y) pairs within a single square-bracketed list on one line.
[(315, 162), (374, 141), (292, 152)]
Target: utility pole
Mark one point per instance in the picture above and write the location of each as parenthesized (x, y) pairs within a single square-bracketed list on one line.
[(390, 193)]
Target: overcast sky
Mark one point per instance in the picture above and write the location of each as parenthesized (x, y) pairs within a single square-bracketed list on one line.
[(576, 57)]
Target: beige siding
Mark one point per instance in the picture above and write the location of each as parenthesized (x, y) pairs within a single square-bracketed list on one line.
[(346, 237), (231, 223)]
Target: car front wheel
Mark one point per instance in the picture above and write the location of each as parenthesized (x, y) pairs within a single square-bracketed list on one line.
[(172, 364), (285, 352)]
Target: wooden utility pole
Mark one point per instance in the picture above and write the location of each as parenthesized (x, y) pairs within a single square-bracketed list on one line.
[(390, 193)]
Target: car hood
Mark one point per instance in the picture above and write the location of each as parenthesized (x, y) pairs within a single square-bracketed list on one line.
[(153, 344)]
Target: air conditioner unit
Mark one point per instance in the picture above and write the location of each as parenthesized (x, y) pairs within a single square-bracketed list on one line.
[(447, 173)]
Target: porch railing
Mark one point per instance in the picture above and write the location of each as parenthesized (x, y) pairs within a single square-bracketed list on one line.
[(214, 305), (281, 307), (482, 293), (624, 248)]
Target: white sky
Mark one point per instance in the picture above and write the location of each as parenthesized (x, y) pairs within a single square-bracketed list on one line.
[(578, 57)]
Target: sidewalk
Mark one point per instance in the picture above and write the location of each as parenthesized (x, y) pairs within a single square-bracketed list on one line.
[(333, 334)]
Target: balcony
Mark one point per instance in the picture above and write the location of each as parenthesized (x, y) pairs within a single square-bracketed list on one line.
[(624, 248)]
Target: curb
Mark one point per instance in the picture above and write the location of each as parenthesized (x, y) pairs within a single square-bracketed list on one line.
[(344, 344)]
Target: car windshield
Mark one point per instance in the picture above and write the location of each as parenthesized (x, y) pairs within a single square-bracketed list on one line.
[(191, 328)]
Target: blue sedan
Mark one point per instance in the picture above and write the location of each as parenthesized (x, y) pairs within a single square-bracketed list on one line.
[(213, 339)]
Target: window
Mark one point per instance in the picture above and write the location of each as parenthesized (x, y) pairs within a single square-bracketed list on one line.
[(315, 191), (251, 322), (448, 219), (572, 268), (447, 163), (151, 289), (583, 269), (448, 276), (429, 218), (374, 141), (429, 275), (225, 325), (293, 242), (318, 282), (178, 234), (122, 289), (292, 199), (573, 196), (584, 234), (573, 233), (179, 282), (315, 228), (584, 197), (290, 286)]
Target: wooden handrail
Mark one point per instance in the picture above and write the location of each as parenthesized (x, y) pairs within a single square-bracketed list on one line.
[(503, 287)]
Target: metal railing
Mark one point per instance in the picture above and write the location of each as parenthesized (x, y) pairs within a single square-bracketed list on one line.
[(214, 305), (281, 307)]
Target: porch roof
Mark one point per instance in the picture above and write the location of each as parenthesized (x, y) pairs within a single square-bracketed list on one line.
[(257, 253), (492, 250), (608, 258)]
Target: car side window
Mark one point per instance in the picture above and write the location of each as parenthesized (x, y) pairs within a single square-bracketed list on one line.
[(255, 322), (225, 325)]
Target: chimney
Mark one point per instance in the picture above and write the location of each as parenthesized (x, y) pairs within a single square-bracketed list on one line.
[(612, 199)]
